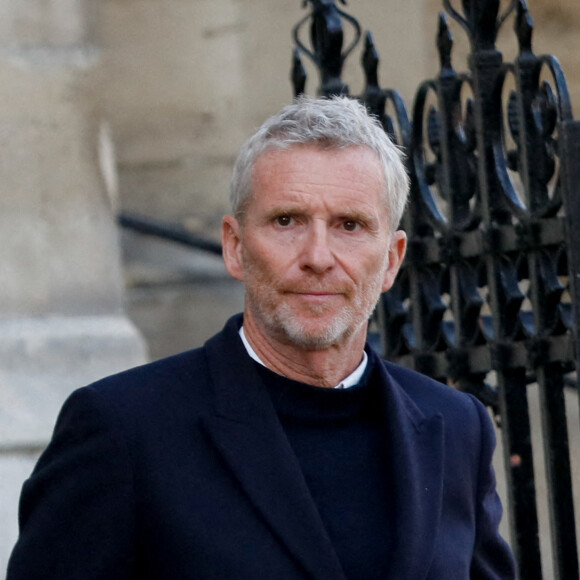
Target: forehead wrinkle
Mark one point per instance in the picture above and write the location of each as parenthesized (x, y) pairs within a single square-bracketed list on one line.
[(312, 203), (281, 162), (271, 168)]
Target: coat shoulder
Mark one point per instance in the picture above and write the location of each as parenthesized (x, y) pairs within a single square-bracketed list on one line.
[(432, 397), (181, 380)]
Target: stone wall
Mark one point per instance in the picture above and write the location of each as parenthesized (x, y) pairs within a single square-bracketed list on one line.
[(62, 322)]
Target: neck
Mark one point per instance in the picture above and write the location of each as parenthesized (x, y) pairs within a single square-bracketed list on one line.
[(323, 368)]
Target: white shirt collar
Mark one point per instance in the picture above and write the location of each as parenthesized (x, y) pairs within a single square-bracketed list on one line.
[(347, 382)]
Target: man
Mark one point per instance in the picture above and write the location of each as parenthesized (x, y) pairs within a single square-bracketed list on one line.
[(241, 459)]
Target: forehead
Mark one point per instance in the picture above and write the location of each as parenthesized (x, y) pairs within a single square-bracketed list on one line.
[(307, 171)]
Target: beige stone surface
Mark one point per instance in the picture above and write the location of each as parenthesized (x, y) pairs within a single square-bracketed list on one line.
[(61, 287), (174, 100), (15, 467), (44, 359), (46, 23), (61, 281), (59, 251)]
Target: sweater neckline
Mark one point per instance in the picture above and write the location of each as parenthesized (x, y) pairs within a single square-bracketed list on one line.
[(299, 402)]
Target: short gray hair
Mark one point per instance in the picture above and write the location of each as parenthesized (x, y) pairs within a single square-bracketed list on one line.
[(335, 123)]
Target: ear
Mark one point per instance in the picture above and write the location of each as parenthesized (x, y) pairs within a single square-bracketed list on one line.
[(232, 247), (397, 249)]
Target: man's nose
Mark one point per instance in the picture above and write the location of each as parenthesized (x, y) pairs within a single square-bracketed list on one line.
[(317, 254)]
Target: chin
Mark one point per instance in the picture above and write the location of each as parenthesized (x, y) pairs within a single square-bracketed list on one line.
[(319, 334)]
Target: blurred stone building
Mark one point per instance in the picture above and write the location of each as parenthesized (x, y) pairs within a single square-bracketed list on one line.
[(141, 105)]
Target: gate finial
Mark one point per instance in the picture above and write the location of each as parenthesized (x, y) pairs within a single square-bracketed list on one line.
[(524, 27), (481, 20), (326, 40), (444, 43)]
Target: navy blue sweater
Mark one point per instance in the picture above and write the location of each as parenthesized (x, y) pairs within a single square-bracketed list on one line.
[(340, 440)]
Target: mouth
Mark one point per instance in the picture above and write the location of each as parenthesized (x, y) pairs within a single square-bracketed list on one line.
[(316, 297)]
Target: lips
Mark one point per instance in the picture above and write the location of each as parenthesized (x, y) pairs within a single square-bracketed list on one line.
[(315, 295), (314, 291), (307, 293)]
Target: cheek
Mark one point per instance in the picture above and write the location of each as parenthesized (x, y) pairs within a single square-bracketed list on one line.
[(258, 266), (268, 254), (374, 267), (378, 275)]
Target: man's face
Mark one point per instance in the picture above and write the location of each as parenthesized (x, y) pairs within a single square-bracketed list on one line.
[(314, 250)]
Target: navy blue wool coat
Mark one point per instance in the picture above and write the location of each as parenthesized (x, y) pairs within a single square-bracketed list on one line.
[(180, 470)]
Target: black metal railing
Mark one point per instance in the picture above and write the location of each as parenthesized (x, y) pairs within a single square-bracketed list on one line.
[(170, 231), (488, 297)]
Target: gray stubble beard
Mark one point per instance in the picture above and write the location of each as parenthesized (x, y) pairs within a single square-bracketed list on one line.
[(280, 321)]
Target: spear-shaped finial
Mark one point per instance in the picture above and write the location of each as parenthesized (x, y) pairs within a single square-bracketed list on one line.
[(444, 43), (524, 27)]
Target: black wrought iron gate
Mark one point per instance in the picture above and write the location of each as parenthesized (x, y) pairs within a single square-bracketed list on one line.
[(486, 298)]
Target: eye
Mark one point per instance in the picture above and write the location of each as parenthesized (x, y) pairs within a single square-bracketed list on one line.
[(351, 225), (284, 220)]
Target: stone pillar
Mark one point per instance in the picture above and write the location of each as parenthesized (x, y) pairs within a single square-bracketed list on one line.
[(62, 322)]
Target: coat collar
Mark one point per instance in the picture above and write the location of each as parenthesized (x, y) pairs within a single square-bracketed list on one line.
[(246, 431)]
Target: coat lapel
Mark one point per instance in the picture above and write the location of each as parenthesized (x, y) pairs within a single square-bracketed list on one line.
[(247, 433), (416, 445)]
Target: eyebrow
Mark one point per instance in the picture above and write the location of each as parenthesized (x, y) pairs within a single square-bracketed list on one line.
[(368, 219), (281, 210)]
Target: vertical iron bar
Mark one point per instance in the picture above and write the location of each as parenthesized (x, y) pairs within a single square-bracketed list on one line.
[(569, 133), (519, 468), (557, 454)]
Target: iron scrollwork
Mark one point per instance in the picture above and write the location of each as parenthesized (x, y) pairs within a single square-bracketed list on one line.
[(486, 298)]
